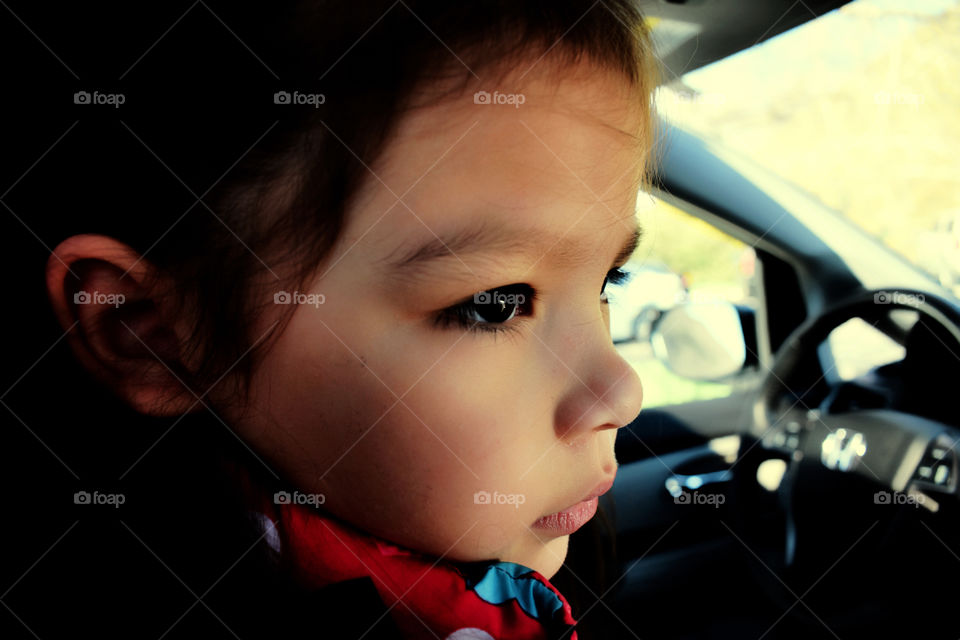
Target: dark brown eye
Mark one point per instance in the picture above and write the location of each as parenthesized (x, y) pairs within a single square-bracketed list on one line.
[(488, 310), (498, 305)]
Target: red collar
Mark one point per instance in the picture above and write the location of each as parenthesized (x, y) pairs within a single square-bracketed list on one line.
[(427, 597)]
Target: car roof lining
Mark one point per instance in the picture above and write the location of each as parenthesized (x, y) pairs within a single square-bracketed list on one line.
[(689, 34)]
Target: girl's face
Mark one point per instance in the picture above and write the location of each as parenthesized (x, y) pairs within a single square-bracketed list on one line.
[(450, 424)]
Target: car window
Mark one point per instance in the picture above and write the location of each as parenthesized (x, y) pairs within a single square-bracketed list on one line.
[(857, 347), (680, 259), (859, 109)]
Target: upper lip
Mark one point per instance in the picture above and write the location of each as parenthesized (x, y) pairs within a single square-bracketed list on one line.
[(599, 490)]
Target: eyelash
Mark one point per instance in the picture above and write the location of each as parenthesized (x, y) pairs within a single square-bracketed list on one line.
[(616, 277), (458, 314)]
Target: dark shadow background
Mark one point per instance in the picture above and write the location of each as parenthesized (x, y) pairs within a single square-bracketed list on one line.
[(178, 558)]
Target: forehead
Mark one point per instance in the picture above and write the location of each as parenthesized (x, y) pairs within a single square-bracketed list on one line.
[(567, 159)]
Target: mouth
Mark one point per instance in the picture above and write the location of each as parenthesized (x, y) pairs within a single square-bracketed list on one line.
[(572, 518)]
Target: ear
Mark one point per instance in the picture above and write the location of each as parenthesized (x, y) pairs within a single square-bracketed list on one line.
[(118, 312)]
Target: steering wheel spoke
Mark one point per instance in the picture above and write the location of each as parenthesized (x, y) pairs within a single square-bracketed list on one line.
[(899, 451), (902, 455)]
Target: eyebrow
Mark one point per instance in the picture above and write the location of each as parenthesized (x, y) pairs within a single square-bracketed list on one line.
[(416, 261)]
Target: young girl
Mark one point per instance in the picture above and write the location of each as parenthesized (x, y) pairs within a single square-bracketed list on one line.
[(395, 298)]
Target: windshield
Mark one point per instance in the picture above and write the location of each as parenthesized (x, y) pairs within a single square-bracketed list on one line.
[(859, 108)]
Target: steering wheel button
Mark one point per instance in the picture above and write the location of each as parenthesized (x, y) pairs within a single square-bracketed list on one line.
[(942, 474), (925, 472)]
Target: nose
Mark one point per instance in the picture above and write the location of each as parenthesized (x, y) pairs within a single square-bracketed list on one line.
[(607, 395)]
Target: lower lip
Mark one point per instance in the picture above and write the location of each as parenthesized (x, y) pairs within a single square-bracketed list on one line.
[(569, 520)]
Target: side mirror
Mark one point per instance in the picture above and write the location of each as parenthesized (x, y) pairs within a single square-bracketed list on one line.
[(701, 341)]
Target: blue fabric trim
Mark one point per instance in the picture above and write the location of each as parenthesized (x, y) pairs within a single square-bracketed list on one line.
[(505, 581)]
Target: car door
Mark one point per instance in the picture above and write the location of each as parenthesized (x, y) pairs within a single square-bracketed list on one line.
[(665, 526)]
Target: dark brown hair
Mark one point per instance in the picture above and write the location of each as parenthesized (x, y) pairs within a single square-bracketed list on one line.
[(227, 194), (273, 218)]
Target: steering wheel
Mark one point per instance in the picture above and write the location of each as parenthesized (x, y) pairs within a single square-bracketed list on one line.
[(901, 456)]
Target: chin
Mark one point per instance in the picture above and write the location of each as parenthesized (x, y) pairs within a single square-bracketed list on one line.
[(548, 557)]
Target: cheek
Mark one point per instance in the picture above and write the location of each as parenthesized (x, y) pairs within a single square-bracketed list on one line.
[(440, 485), (422, 472), (479, 439), (488, 410), (411, 471)]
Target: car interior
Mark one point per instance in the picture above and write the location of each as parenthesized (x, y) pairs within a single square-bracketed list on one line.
[(785, 492), (803, 504)]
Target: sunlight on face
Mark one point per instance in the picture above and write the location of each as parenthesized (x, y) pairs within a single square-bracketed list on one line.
[(450, 423)]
